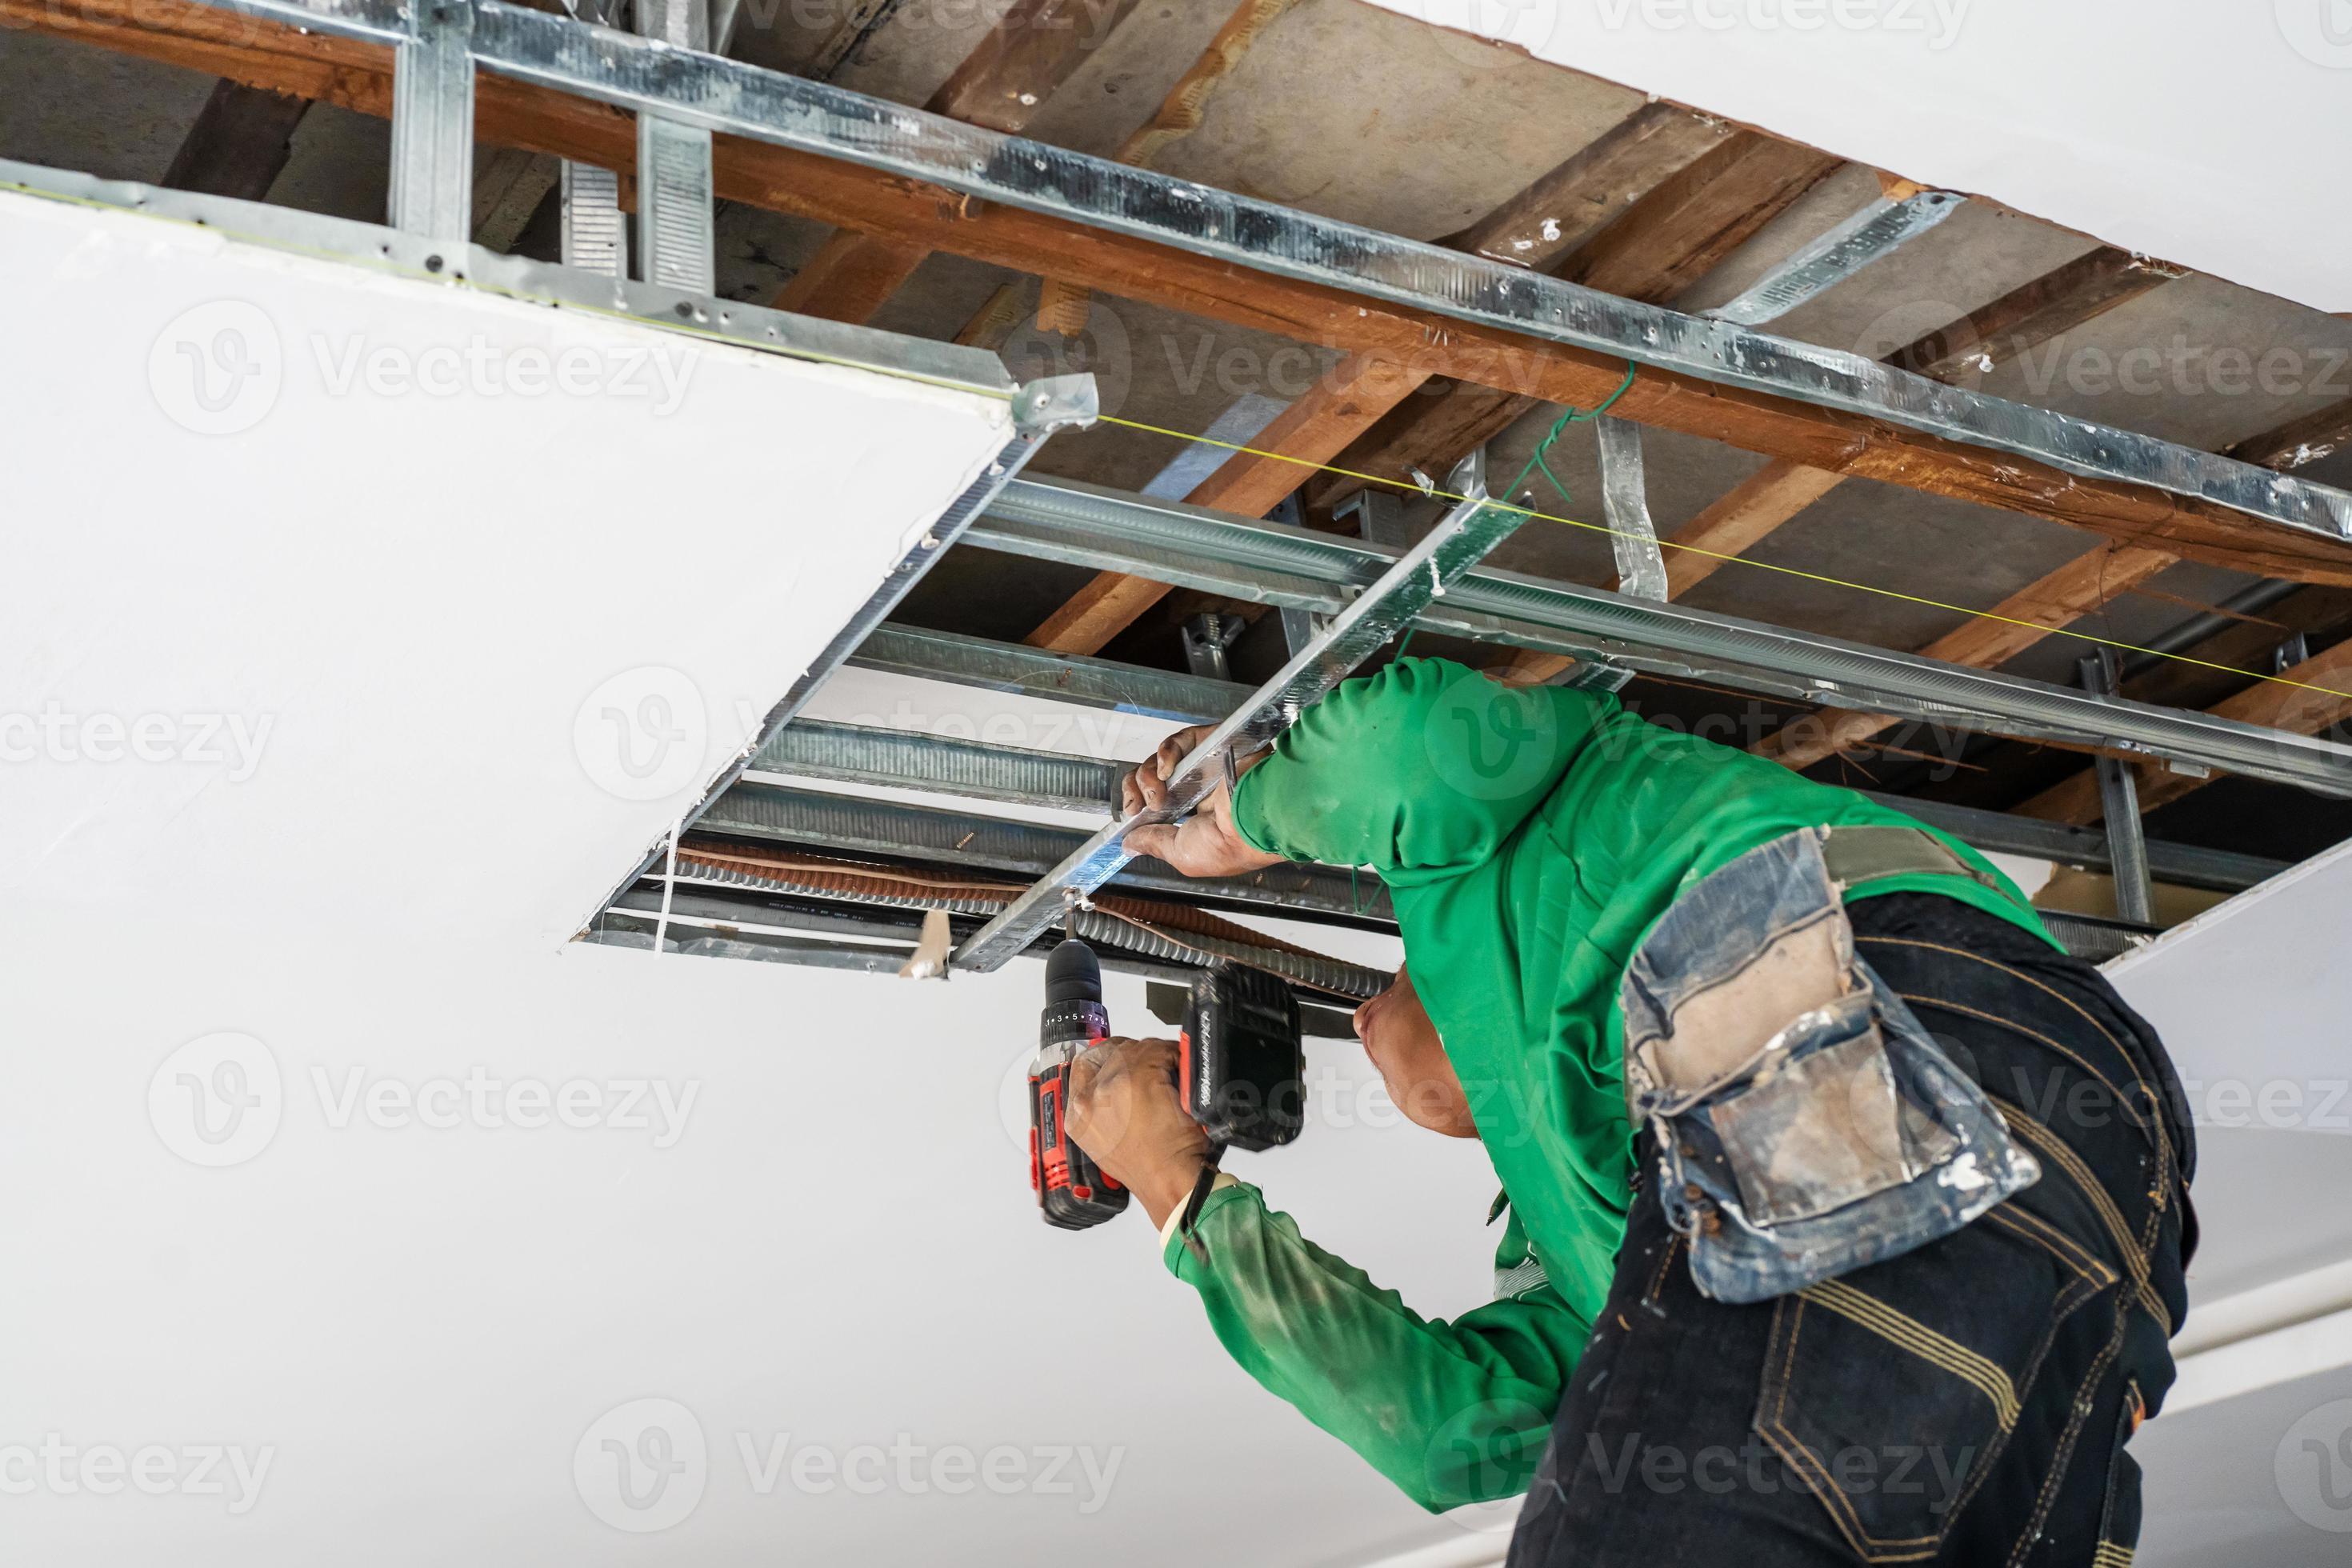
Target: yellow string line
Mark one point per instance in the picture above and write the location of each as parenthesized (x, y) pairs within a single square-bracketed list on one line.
[(1437, 494), (820, 358)]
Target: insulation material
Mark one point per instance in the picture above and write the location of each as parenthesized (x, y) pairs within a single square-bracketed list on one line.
[(318, 565)]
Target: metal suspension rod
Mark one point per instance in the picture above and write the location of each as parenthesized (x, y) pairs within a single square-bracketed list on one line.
[(1459, 541)]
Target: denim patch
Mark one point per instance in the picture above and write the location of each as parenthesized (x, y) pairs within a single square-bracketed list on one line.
[(1806, 1122)]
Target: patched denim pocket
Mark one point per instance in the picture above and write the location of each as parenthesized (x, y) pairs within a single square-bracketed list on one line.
[(1890, 1391), (1822, 1125), (1806, 1123)]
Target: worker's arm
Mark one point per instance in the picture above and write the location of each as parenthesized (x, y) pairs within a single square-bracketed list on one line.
[(1421, 770), (1452, 1413)]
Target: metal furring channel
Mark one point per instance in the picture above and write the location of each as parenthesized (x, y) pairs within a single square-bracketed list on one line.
[(1133, 933)]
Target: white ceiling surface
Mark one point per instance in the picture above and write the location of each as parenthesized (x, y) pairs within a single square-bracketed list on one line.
[(426, 562), (2163, 127), (407, 1306), (2252, 999)]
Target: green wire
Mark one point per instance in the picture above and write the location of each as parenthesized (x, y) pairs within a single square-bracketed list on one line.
[(1560, 428)]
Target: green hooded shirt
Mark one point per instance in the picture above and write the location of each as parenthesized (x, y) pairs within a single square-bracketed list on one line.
[(1529, 838)]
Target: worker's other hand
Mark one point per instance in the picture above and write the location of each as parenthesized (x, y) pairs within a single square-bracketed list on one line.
[(1411, 1060), (1124, 1112), (1205, 844)]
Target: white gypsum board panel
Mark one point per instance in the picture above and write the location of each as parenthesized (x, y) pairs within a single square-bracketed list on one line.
[(2128, 127), (343, 594), (2251, 998)]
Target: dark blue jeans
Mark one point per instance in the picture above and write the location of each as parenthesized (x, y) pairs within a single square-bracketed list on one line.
[(1967, 1403)]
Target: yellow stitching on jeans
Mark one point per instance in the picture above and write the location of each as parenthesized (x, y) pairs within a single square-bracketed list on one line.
[(1908, 1333), (1801, 1460), (2011, 1024), (2135, 1254), (2089, 1267), (2156, 1114)]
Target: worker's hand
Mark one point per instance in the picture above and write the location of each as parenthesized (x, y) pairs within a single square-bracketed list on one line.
[(1124, 1112), (1411, 1060), (1205, 844)]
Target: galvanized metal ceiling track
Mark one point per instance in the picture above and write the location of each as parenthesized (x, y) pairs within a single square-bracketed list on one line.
[(1026, 671), (2119, 794), (1625, 501), (1872, 235), (821, 938), (850, 825), (431, 193), (451, 263), (1014, 775), (1461, 539), (815, 117), (1039, 409), (1269, 563)]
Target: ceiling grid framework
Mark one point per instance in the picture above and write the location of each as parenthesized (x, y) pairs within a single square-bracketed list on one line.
[(1871, 574)]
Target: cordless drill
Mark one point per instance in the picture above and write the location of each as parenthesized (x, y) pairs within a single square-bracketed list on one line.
[(1240, 1069), (1072, 1190)]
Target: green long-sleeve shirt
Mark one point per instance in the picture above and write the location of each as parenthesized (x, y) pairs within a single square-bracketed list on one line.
[(1530, 837)]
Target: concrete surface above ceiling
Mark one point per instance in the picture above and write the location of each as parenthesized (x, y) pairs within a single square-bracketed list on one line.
[(2128, 126)]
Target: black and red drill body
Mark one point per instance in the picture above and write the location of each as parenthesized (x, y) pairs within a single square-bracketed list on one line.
[(1072, 1190), (1240, 1073)]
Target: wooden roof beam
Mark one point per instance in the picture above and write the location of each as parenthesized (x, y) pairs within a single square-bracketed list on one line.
[(518, 114), (2057, 601), (1031, 50), (2295, 709), (2024, 317), (1708, 189)]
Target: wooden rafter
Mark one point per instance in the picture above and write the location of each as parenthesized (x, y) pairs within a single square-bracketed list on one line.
[(2273, 704), (1704, 199), (2057, 600), (2024, 317), (1708, 190), (509, 112), (1032, 49), (240, 143), (1310, 430), (2074, 590), (2300, 442)]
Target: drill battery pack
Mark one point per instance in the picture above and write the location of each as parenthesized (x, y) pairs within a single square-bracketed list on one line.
[(1243, 1064)]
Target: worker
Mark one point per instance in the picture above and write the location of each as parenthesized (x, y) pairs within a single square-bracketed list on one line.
[(1843, 1213)]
